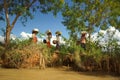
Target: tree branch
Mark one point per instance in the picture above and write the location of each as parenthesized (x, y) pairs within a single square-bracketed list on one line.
[(13, 23), (18, 14), (6, 12), (28, 6)]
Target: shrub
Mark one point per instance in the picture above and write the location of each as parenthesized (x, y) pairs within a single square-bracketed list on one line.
[(23, 54), (2, 49)]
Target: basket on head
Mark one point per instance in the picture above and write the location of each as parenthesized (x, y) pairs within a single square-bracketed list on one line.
[(58, 33), (35, 30), (48, 32), (83, 32)]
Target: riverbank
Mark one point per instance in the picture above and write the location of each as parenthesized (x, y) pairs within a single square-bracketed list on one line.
[(52, 74)]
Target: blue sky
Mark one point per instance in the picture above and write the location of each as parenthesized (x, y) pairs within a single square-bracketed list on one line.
[(41, 21)]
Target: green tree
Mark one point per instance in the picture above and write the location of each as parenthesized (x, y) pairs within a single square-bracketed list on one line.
[(90, 14), (23, 9)]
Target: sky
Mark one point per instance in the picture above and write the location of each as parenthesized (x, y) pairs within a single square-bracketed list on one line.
[(43, 22)]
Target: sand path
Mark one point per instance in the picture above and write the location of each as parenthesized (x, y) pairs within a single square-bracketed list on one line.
[(51, 74)]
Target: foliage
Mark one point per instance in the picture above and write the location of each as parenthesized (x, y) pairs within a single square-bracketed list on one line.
[(86, 15), (107, 54), (51, 5), (23, 9), (95, 52), (2, 49)]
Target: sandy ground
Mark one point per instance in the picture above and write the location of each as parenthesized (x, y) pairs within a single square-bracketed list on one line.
[(52, 74)]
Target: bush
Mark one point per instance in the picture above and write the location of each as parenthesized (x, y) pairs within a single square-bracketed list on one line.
[(2, 49), (23, 54)]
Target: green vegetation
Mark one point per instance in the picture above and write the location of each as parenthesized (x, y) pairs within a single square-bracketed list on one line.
[(78, 15), (24, 54)]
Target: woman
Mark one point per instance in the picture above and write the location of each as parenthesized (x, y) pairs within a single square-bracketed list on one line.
[(58, 34), (83, 39), (49, 36), (34, 37)]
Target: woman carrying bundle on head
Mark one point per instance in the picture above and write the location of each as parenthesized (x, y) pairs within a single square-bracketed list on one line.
[(57, 41), (48, 39), (34, 37), (83, 39)]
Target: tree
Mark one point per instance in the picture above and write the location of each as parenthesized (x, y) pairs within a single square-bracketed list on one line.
[(23, 9), (90, 14)]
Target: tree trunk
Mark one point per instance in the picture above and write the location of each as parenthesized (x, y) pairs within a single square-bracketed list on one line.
[(7, 39)]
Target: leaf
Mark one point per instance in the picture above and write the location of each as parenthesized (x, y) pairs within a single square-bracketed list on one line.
[(1, 18), (42, 1)]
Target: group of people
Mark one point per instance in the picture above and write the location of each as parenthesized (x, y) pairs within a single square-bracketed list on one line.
[(49, 36), (48, 39), (57, 41)]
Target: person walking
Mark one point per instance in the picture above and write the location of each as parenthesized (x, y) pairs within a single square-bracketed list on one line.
[(49, 36), (58, 34), (83, 39), (34, 37)]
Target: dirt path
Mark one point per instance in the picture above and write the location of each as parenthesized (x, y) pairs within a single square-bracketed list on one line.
[(51, 74)]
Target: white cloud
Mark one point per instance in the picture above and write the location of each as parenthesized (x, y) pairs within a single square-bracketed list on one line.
[(106, 33), (1, 39), (12, 36), (25, 35)]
